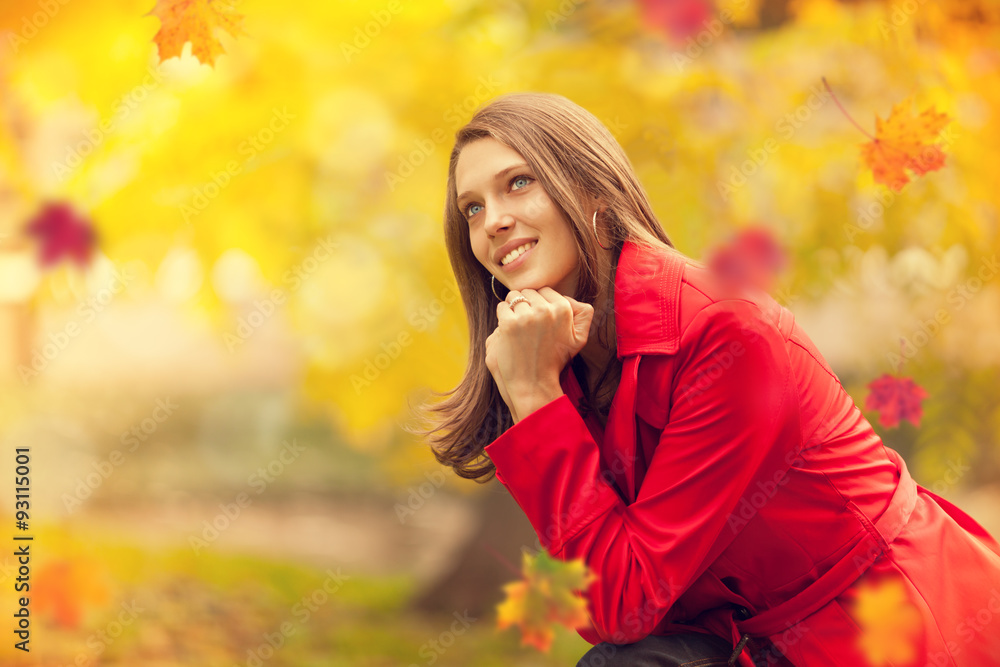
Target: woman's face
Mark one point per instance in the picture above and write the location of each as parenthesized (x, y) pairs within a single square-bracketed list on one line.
[(506, 208)]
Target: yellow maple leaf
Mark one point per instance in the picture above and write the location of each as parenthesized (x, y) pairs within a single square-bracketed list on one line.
[(545, 597), (889, 622), (905, 142), (511, 610), (194, 21)]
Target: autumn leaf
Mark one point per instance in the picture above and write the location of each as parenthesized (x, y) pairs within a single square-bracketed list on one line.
[(903, 142), (677, 18), (890, 624), (65, 588), (544, 597), (753, 258), (194, 21), (895, 398), (62, 232)]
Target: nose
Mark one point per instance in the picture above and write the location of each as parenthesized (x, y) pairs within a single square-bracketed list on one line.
[(498, 219)]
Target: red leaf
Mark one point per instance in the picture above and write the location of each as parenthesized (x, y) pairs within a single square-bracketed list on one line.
[(752, 258), (895, 398), (678, 18), (61, 231)]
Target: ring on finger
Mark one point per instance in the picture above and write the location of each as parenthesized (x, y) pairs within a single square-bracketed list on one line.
[(516, 300)]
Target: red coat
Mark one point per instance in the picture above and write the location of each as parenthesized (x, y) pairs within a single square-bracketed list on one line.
[(736, 472)]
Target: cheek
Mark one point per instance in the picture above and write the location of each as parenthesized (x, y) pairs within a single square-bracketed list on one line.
[(480, 247), (538, 206)]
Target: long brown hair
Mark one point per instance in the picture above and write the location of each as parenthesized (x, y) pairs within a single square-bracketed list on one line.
[(574, 156)]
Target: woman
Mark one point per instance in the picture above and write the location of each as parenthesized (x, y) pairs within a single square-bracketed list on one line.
[(732, 500)]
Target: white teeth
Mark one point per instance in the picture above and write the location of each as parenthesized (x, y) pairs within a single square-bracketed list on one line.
[(517, 252)]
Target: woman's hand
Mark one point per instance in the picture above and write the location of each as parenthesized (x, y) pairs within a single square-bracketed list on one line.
[(492, 364), (532, 344)]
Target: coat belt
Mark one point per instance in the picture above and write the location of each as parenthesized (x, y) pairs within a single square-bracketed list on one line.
[(874, 543)]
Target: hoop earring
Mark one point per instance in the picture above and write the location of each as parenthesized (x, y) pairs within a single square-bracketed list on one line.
[(595, 233), (493, 284)]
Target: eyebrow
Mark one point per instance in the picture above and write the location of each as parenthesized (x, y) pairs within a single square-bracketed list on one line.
[(500, 174)]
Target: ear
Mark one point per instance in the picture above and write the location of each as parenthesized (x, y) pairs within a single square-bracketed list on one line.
[(596, 204)]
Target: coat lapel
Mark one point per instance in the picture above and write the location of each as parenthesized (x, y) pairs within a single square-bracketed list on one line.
[(647, 321), (618, 450)]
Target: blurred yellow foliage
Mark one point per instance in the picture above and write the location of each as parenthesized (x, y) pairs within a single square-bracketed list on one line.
[(317, 147), (890, 623)]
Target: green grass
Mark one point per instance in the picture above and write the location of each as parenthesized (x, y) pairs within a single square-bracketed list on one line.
[(212, 609)]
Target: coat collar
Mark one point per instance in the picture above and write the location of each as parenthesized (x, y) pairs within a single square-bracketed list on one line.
[(647, 294), (647, 321)]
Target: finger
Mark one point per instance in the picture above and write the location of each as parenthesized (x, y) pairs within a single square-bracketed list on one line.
[(507, 315), (578, 306), (574, 302), (557, 301), (511, 293), (527, 293), (551, 295), (506, 311)]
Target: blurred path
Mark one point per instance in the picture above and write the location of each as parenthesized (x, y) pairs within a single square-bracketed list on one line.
[(363, 536)]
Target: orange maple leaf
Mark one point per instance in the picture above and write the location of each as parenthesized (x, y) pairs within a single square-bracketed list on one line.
[(905, 142), (545, 597), (65, 588), (194, 21), (901, 142)]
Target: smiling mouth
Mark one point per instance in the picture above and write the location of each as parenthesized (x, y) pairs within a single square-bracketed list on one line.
[(516, 253)]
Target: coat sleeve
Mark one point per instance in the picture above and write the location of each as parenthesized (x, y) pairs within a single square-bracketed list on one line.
[(732, 406)]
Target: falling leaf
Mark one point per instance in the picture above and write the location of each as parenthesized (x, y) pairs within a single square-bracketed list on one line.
[(903, 142), (753, 257), (678, 18), (545, 597), (890, 624), (895, 398), (194, 21), (62, 232), (63, 589)]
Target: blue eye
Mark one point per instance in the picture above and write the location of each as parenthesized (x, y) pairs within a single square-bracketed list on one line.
[(471, 209)]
